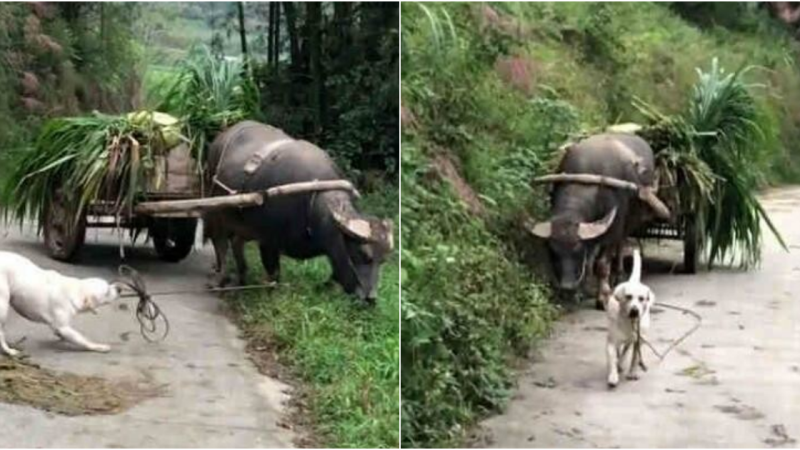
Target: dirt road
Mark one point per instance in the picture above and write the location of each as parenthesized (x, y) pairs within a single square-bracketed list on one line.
[(734, 383), (213, 397)]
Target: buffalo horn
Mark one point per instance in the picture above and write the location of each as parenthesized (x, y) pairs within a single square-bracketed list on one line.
[(542, 229), (592, 230), (356, 227)]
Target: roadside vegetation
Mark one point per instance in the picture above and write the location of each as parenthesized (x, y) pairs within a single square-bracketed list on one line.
[(489, 93), (344, 354)]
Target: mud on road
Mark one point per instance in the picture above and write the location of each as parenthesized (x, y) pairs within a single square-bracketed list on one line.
[(734, 383), (211, 394)]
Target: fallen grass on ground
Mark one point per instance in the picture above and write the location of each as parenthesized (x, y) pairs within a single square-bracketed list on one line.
[(25, 383), (344, 354)]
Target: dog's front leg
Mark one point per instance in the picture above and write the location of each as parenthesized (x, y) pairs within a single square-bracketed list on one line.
[(72, 335), (4, 306), (612, 360), (5, 347)]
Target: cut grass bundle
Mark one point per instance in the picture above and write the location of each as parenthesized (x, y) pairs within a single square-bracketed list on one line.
[(210, 94), (86, 159), (714, 153)]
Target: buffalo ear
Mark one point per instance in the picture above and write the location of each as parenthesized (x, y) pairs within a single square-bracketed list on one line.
[(593, 230), (542, 229), (354, 226)]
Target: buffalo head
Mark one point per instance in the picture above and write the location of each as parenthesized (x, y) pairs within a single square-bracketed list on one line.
[(368, 241), (573, 245)]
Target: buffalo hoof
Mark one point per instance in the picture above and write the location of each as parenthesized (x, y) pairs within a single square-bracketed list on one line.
[(219, 281)]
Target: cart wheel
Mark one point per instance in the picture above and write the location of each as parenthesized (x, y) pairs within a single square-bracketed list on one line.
[(691, 245), (173, 238), (63, 235)]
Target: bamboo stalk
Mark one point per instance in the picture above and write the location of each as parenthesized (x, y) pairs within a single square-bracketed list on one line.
[(241, 200)]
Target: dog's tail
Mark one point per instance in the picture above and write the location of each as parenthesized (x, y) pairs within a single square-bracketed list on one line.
[(636, 274)]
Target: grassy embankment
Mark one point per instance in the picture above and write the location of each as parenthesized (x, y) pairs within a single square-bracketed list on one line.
[(345, 355), (489, 92)]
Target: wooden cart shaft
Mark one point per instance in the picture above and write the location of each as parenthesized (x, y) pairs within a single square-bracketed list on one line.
[(195, 206)]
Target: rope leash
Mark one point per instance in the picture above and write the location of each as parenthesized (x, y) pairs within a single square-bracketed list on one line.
[(147, 311), (637, 346), (640, 339), (204, 291)]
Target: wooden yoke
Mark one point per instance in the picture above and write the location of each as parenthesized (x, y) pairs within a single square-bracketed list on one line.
[(241, 200), (645, 193)]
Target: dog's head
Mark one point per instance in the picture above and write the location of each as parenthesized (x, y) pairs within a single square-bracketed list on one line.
[(634, 299), (97, 292)]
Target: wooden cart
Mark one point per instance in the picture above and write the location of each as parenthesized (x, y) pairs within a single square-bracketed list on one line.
[(169, 211), (683, 229)]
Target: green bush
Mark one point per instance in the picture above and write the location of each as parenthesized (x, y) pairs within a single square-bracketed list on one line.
[(467, 308), (468, 305)]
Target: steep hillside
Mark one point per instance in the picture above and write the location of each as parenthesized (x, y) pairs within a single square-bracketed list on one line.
[(489, 93)]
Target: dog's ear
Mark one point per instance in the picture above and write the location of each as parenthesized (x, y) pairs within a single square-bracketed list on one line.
[(88, 302), (619, 292)]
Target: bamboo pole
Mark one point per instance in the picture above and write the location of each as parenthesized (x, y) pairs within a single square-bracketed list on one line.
[(241, 200)]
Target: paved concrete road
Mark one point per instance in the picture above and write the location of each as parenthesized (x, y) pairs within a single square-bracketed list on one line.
[(734, 383), (214, 395)]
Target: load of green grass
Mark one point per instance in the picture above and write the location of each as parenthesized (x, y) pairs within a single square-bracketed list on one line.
[(112, 157), (210, 94), (88, 158), (713, 155)]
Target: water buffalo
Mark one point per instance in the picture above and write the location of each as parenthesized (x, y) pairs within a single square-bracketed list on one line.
[(251, 156), (590, 220)]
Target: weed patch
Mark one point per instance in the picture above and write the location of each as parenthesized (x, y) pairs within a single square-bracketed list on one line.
[(344, 354)]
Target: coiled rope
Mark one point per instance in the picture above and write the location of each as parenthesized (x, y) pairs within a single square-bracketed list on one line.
[(147, 311)]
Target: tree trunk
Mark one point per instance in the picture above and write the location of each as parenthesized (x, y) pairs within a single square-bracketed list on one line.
[(291, 29), (314, 42), (270, 31), (242, 33), (343, 22), (277, 36), (376, 20)]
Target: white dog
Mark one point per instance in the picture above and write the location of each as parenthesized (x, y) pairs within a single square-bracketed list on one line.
[(45, 296), (627, 309)]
